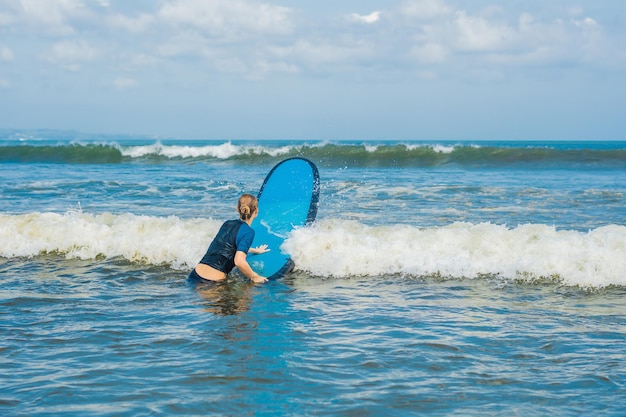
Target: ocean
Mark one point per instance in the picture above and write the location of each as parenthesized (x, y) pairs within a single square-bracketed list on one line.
[(440, 278)]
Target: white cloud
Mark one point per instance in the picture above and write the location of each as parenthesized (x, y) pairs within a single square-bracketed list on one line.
[(73, 51), (323, 52), (135, 24), (184, 43), (369, 19), (496, 38), (478, 34), (253, 63), (425, 9), (228, 18), (54, 15), (4, 84), (255, 38), (561, 40), (430, 53), (6, 19), (6, 54), (69, 54), (586, 23)]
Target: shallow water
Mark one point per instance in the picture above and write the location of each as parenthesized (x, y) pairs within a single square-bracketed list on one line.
[(115, 339), (437, 280)]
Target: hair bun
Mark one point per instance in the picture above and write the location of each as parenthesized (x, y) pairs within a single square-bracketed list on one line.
[(247, 206)]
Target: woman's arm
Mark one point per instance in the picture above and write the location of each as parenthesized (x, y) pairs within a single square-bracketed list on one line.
[(242, 264)]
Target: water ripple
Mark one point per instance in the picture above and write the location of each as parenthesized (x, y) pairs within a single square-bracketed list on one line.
[(134, 341)]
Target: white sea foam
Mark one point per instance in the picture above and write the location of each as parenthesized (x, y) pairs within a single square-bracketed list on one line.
[(153, 240), (529, 252), (445, 149), (222, 151), (228, 149), (339, 248)]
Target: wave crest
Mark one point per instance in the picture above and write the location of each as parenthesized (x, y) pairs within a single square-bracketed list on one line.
[(325, 153)]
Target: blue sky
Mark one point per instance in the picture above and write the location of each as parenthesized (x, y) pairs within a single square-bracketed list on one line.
[(245, 69)]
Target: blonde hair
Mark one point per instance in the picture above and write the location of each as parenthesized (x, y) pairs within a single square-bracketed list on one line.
[(247, 206)]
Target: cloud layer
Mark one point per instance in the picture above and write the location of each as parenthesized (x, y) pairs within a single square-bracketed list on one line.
[(53, 49), (256, 39)]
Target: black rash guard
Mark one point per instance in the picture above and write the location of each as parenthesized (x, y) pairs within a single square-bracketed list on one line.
[(233, 236)]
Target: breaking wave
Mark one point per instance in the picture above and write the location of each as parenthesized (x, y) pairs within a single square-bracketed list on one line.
[(339, 248), (338, 154)]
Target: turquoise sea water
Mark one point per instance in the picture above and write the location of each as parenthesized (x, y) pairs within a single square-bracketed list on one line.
[(441, 278)]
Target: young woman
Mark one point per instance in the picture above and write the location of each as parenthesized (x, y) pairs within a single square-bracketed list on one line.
[(231, 245)]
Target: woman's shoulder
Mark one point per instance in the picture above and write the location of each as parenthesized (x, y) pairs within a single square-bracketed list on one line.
[(246, 229)]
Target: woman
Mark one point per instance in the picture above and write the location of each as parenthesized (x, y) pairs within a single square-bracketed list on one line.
[(231, 246)]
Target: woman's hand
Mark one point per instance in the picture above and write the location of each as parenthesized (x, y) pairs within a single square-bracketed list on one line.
[(259, 250), (258, 279)]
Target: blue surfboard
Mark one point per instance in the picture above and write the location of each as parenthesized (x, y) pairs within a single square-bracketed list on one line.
[(288, 199)]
